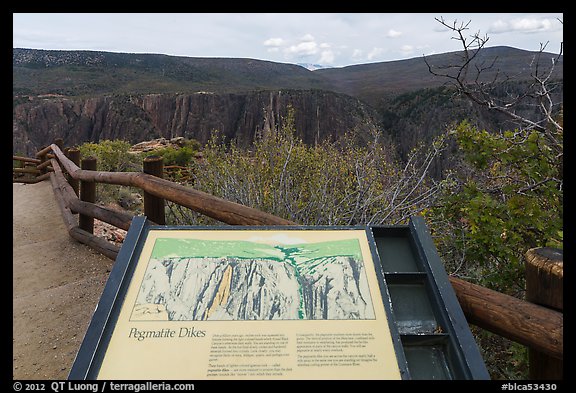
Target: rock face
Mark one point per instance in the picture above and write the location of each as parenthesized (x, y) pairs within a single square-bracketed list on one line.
[(211, 288), (240, 116), (257, 289)]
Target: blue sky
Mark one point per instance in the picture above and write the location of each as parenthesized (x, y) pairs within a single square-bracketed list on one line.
[(330, 39)]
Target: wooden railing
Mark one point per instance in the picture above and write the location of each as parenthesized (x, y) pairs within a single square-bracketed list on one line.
[(536, 326)]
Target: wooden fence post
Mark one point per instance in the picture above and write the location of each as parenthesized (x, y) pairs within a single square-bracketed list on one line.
[(74, 156), (59, 142), (544, 286), (42, 157), (87, 194), (153, 205)]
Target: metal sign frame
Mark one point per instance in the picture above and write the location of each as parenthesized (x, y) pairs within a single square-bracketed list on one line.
[(429, 333)]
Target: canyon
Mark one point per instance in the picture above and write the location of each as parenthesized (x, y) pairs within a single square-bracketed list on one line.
[(87, 96)]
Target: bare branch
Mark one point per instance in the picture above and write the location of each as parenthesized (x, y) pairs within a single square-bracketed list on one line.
[(478, 90)]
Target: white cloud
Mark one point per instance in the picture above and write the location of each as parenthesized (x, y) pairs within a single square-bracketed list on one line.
[(275, 42), (523, 25), (303, 49), (357, 54), (327, 57), (374, 53), (393, 33), (407, 49), (307, 38), (306, 45)]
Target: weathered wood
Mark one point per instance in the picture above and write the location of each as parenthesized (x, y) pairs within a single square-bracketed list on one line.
[(26, 159), (42, 156), (44, 176), (74, 156), (67, 216), (59, 142), (43, 165), (521, 321), (544, 286), (209, 205), (544, 367), (24, 180), (545, 277), (34, 180), (154, 205), (44, 152), (101, 245), (26, 170), (87, 193), (120, 219)]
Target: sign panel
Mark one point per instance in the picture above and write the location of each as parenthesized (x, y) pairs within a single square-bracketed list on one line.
[(253, 304), (194, 303)]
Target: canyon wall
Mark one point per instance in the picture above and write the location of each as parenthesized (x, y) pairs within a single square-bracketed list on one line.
[(318, 115)]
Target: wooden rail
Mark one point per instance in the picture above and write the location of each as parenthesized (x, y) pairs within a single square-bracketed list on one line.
[(518, 320), (29, 172), (209, 205), (118, 219), (538, 327), (102, 245)]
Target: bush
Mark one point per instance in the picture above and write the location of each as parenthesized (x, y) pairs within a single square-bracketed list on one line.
[(505, 199), (112, 156), (180, 156), (330, 183)]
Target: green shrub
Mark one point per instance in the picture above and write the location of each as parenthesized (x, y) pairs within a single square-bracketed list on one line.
[(505, 199), (112, 156), (180, 156), (332, 183)]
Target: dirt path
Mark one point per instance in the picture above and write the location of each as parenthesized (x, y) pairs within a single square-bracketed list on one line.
[(57, 283)]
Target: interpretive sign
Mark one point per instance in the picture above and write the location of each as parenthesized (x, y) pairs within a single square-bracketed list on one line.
[(245, 303)]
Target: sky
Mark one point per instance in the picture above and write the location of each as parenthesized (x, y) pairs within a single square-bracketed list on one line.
[(328, 39)]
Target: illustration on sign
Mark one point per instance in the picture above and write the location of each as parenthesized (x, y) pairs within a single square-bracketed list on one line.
[(279, 278)]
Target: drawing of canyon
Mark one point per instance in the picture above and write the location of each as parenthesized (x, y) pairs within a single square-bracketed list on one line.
[(199, 280)]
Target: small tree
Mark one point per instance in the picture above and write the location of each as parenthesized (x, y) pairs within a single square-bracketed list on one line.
[(180, 155), (505, 192), (505, 198), (112, 156), (479, 79)]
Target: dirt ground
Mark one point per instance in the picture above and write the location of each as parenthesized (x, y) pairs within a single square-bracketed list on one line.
[(57, 283)]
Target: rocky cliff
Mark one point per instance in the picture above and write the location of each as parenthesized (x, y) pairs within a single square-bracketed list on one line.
[(319, 114), (252, 289), (195, 279)]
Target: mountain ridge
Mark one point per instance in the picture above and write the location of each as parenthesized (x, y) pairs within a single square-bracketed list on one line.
[(158, 73), (87, 96)]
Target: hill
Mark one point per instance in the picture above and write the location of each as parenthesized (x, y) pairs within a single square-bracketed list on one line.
[(80, 73), (87, 73), (371, 82)]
